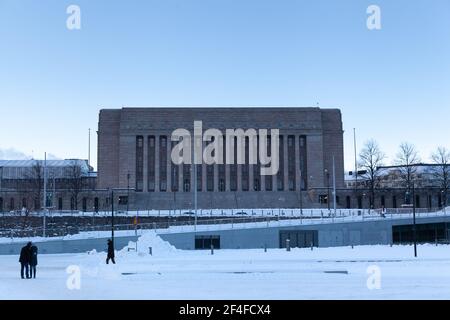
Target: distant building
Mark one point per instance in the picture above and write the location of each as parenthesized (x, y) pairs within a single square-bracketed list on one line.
[(134, 150), (22, 183), (390, 187)]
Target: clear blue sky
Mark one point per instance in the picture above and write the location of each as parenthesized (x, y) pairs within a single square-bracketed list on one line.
[(392, 85)]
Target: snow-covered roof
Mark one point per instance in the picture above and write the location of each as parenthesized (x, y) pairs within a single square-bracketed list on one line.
[(20, 169), (421, 168), (50, 163)]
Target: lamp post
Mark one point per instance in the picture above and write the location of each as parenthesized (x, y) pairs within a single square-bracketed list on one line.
[(414, 219), (112, 216), (301, 195), (334, 187)]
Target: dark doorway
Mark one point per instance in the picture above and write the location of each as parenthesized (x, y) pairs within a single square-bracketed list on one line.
[(205, 242), (96, 205), (299, 238), (426, 233)]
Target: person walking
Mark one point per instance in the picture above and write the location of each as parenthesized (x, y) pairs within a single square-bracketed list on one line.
[(33, 261), (24, 259), (110, 252)]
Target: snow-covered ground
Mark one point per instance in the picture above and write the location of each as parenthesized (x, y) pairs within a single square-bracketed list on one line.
[(325, 273)]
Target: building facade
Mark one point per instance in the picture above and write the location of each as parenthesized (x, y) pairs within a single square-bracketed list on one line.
[(135, 147), (70, 185)]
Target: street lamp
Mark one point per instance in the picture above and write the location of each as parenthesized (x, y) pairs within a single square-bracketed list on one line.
[(301, 199), (414, 219), (112, 216)]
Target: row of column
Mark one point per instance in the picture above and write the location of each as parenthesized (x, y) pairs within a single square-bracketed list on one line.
[(158, 184)]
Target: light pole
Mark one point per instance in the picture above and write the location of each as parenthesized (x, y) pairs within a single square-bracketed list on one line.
[(112, 216), (414, 219), (45, 196), (301, 195), (334, 187)]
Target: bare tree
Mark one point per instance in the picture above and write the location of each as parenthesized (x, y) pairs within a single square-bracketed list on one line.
[(408, 160), (35, 176), (370, 159), (441, 158), (75, 182)]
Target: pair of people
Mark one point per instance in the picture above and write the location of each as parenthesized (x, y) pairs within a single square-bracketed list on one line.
[(28, 261)]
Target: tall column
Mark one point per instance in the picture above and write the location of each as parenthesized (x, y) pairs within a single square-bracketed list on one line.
[(145, 164), (297, 162), (286, 169), (180, 178), (227, 178), (157, 163), (216, 178), (169, 163), (204, 170), (250, 178), (239, 177)]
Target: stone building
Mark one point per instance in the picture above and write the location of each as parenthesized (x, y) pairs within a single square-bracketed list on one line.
[(134, 152)]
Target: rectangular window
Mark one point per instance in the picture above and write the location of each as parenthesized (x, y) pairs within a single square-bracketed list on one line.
[(186, 177), (205, 242), (221, 168), (233, 168), (210, 178), (291, 163), (323, 199), (269, 154), (280, 175), (139, 163), (123, 200), (199, 177), (257, 169), (245, 166), (84, 204), (151, 163), (163, 163), (303, 163), (210, 173)]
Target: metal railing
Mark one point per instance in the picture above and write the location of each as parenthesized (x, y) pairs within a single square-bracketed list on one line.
[(280, 218)]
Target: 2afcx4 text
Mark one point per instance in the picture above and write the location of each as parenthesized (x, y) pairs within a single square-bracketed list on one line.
[(246, 309)]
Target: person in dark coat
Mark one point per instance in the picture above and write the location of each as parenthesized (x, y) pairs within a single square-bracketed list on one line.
[(33, 261), (110, 252), (25, 256)]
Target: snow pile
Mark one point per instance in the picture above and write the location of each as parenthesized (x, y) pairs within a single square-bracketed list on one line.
[(145, 242)]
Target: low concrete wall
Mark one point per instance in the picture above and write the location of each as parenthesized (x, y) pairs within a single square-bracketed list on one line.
[(67, 246), (330, 235)]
